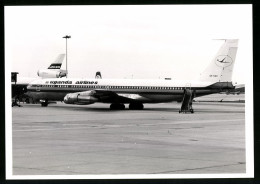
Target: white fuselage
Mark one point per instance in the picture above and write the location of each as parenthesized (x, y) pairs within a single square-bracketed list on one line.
[(145, 91)]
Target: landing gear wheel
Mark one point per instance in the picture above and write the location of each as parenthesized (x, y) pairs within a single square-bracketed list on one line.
[(136, 106), (192, 111), (115, 106)]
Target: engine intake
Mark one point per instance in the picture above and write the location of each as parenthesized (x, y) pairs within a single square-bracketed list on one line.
[(80, 98)]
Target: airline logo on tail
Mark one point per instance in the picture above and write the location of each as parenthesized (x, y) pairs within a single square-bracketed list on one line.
[(58, 62), (55, 66), (223, 61)]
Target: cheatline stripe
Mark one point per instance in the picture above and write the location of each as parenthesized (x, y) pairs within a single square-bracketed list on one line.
[(144, 91)]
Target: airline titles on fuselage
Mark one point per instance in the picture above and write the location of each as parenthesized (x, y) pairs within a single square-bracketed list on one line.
[(70, 82)]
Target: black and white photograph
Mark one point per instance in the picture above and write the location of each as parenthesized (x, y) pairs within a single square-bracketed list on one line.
[(129, 91)]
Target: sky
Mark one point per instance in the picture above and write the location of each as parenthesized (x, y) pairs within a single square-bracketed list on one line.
[(130, 41)]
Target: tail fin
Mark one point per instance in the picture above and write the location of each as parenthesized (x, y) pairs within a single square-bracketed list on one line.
[(98, 75), (221, 67), (57, 63)]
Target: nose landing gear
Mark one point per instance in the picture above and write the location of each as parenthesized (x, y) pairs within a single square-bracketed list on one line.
[(132, 106)]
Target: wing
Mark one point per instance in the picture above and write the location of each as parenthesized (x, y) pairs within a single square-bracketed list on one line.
[(110, 97), (104, 96)]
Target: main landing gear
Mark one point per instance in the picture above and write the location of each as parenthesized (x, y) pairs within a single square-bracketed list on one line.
[(132, 106), (136, 106), (117, 106)]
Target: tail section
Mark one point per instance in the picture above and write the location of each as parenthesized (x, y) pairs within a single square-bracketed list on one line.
[(221, 67), (54, 70), (57, 63)]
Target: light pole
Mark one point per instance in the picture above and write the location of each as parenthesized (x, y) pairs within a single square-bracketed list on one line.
[(66, 37)]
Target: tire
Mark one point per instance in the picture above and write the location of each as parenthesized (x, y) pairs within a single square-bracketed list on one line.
[(115, 106), (136, 106)]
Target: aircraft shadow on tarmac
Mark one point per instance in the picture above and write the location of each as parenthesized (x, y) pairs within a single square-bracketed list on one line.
[(106, 109)]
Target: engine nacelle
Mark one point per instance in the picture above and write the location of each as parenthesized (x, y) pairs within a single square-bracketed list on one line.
[(51, 74), (80, 98)]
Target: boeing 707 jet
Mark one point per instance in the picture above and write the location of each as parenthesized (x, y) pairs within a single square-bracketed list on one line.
[(216, 78)]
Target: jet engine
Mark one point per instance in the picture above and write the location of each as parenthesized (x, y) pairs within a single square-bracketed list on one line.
[(51, 74), (80, 98)]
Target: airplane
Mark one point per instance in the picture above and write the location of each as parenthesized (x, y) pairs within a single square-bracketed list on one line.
[(19, 84), (135, 92), (54, 70)]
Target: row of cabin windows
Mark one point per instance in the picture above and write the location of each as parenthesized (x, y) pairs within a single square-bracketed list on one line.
[(112, 87)]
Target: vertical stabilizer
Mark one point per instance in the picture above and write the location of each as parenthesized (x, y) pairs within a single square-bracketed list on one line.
[(98, 75), (57, 63), (54, 70), (221, 67)]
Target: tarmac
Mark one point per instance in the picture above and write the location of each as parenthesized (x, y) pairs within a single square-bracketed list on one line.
[(92, 140)]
